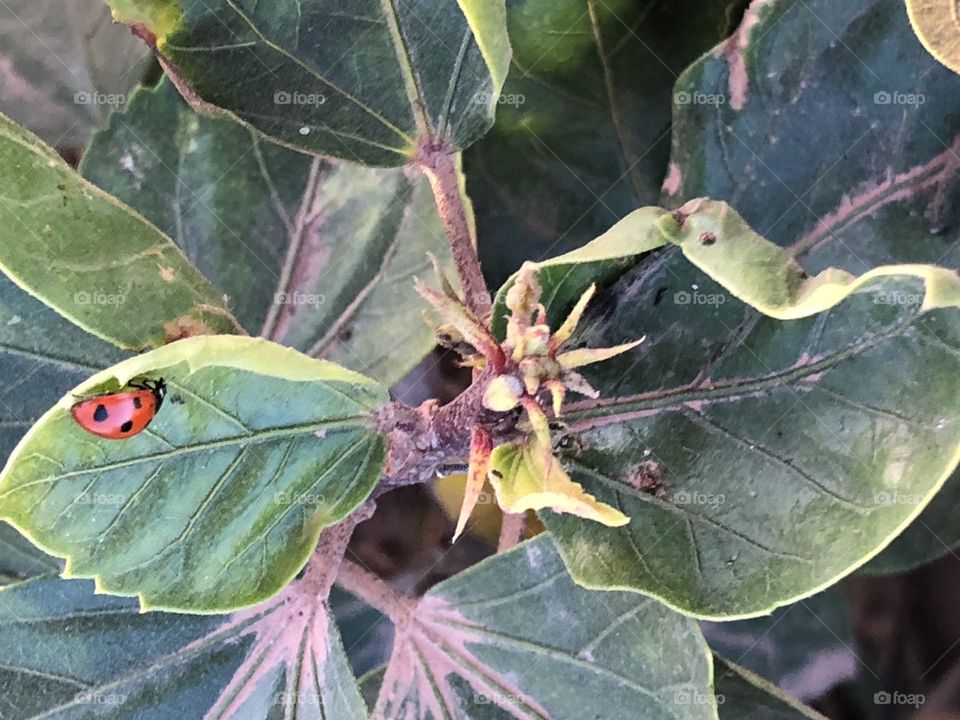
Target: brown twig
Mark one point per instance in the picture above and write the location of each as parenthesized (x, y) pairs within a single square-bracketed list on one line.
[(423, 438), (511, 530), (440, 166), (375, 592)]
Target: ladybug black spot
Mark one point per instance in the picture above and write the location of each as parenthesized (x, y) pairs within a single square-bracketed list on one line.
[(137, 403), (127, 426), (100, 414)]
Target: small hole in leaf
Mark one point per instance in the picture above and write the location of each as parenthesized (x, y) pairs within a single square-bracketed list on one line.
[(708, 238)]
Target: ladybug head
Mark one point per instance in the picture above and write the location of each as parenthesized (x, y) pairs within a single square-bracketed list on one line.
[(158, 387)]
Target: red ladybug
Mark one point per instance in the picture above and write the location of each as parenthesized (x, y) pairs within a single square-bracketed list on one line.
[(120, 415)]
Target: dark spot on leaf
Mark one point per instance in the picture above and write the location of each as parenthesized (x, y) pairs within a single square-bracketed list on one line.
[(100, 414), (708, 238), (659, 296), (647, 477), (803, 274), (345, 334), (497, 474), (680, 218), (127, 426)]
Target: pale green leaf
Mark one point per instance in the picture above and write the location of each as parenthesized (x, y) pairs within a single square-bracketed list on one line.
[(220, 501), (91, 258)]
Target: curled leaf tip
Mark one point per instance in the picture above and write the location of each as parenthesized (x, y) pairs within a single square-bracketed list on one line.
[(151, 20)]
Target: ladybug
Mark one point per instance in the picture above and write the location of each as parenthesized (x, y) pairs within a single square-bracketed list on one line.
[(123, 414)]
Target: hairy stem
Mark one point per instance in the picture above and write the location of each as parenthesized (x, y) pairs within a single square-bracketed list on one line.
[(322, 568), (441, 168), (375, 592), (511, 530), (423, 438)]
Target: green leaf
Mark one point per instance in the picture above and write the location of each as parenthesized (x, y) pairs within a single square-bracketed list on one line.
[(935, 533), (791, 647), (749, 697), (601, 261), (514, 637), (582, 135), (528, 477), (42, 356), (20, 560), (70, 653), (372, 85), (312, 253), (92, 259), (65, 66), (789, 453), (754, 455), (220, 501)]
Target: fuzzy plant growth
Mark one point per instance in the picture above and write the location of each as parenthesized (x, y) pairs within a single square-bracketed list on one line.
[(706, 297)]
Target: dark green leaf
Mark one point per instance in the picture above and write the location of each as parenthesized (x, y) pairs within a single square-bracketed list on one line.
[(582, 135), (789, 453), (515, 637), (42, 356), (72, 654), (19, 559), (312, 253), (792, 646), (749, 697), (371, 84)]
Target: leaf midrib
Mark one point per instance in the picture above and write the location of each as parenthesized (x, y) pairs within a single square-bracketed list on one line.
[(355, 422), (585, 416)]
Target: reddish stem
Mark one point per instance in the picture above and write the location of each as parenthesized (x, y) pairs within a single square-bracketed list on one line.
[(440, 166)]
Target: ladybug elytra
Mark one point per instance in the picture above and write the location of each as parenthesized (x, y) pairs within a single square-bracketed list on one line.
[(119, 415)]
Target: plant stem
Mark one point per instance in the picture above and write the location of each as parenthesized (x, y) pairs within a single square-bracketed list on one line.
[(376, 593), (322, 569), (511, 530), (440, 166)]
